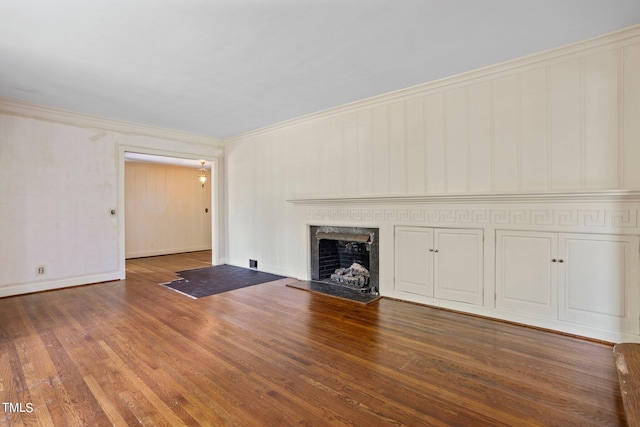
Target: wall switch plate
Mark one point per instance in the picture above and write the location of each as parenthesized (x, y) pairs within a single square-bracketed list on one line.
[(253, 263)]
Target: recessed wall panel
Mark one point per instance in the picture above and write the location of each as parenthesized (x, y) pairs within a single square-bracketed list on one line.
[(456, 140), (480, 166), (631, 115), (601, 85), (365, 152), (380, 138), (416, 146), (506, 134), (566, 122), (534, 138), (397, 149), (351, 154), (436, 149)]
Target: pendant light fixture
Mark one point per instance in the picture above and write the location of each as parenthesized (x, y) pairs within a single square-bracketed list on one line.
[(202, 176)]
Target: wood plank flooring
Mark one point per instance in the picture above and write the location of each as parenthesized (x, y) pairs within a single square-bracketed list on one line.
[(133, 352)]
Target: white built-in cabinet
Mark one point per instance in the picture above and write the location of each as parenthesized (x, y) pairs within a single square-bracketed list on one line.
[(585, 279), (525, 279), (442, 263)]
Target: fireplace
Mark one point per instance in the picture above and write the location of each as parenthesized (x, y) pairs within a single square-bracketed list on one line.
[(345, 256)]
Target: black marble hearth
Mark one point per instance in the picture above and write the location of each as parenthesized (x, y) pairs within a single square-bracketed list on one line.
[(335, 291)]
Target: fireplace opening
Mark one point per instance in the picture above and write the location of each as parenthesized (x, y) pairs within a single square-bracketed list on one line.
[(345, 256)]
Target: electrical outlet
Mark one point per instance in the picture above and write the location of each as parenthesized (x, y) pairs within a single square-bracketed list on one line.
[(253, 263), (41, 270)]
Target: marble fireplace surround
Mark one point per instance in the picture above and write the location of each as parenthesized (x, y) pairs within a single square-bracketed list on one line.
[(367, 236)]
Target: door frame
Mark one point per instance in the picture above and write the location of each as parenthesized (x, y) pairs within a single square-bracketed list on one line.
[(216, 199)]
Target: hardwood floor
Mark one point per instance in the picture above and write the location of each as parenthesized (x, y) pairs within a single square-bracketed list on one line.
[(133, 352)]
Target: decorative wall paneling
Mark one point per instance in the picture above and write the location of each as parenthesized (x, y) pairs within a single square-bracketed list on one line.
[(598, 217), (630, 125), (562, 123), (557, 302), (558, 124), (167, 210), (559, 127)]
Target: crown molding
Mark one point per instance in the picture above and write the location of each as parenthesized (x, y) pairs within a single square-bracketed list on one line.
[(40, 112), (537, 197), (616, 39)]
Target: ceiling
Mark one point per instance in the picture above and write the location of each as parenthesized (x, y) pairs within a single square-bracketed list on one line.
[(223, 67)]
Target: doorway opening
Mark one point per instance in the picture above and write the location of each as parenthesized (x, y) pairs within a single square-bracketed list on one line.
[(164, 206)]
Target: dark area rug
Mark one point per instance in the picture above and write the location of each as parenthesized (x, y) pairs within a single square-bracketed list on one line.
[(207, 281), (336, 291)]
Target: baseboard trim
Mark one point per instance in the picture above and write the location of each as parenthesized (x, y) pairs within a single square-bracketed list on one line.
[(29, 288), (144, 254)]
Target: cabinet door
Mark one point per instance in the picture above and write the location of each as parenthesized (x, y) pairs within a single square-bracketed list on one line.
[(597, 280), (458, 265), (414, 260), (526, 277)]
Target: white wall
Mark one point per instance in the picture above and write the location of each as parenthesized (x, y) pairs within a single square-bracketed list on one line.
[(550, 142), (60, 175), (167, 210), (564, 120)]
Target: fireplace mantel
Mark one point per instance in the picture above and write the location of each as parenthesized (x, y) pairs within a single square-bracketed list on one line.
[(568, 196), (595, 217)]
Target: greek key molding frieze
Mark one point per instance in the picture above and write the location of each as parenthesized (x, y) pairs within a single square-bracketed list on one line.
[(571, 218)]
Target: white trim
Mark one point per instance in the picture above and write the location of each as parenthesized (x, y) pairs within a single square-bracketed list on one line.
[(619, 38), (143, 254), (27, 288), (24, 109), (217, 202), (518, 318), (578, 196)]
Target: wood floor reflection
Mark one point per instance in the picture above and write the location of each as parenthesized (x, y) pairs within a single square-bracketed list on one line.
[(133, 352)]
